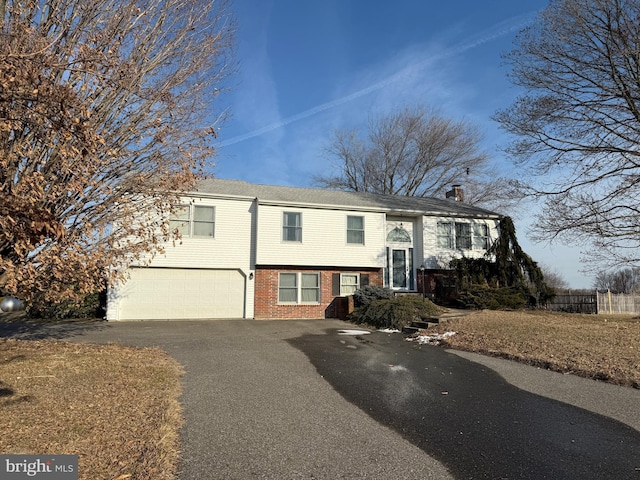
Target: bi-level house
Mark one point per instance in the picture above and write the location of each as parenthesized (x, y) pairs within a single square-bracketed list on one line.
[(272, 252)]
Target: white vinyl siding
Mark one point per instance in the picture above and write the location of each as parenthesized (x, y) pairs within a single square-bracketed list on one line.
[(320, 245), (230, 249), (440, 242)]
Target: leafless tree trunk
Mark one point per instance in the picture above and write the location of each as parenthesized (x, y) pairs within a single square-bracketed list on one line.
[(105, 118), (577, 127)]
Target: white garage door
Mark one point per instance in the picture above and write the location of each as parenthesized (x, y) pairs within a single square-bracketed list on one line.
[(170, 293)]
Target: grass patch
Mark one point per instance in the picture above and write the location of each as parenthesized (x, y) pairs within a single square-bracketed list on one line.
[(115, 407), (602, 347)]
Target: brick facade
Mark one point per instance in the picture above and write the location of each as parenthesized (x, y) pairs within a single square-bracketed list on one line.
[(266, 293)]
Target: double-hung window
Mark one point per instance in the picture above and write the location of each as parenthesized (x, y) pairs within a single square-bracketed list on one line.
[(292, 227), (193, 221), (203, 221), (481, 236), (463, 236), (445, 235), (299, 287), (181, 220), (349, 283), (355, 229)]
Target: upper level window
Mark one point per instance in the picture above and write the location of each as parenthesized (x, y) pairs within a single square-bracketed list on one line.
[(481, 236), (292, 227), (193, 221), (203, 221), (181, 220), (445, 235), (463, 236), (399, 234), (355, 229)]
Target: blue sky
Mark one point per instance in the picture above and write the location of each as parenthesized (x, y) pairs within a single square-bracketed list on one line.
[(307, 68)]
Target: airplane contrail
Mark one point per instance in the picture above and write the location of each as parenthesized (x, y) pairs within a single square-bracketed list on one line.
[(496, 31)]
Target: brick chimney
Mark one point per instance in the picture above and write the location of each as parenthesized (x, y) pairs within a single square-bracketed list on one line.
[(456, 193)]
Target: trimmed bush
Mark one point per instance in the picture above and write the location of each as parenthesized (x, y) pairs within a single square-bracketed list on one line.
[(396, 313), (366, 295), (482, 297)]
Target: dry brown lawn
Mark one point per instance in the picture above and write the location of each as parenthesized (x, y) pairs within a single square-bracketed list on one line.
[(602, 347), (115, 407)]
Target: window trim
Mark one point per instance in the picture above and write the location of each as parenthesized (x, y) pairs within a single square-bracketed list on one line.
[(482, 241), (190, 221), (343, 293), (212, 222), (460, 238), (297, 228), (356, 230), (299, 288), (454, 240), (450, 236)]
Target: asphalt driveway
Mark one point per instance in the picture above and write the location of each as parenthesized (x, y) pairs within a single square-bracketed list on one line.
[(474, 421), (282, 399), (255, 407)]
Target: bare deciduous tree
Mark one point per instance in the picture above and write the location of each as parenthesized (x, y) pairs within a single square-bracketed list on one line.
[(105, 117), (414, 152), (577, 127), (626, 280), (553, 278)]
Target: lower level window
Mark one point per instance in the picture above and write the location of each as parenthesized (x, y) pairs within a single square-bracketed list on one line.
[(349, 283), (298, 287)]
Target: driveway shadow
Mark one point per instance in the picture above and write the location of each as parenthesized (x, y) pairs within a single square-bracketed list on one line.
[(17, 326), (467, 416)]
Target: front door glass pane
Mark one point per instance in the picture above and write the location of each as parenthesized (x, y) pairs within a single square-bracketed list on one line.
[(399, 269)]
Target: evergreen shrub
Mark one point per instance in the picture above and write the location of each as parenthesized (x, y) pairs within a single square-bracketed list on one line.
[(396, 312), (365, 295)]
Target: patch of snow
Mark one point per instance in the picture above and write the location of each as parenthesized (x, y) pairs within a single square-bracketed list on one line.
[(389, 330), (430, 339), (353, 332), (397, 368)]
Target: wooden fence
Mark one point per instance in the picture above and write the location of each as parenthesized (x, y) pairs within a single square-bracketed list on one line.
[(618, 303), (581, 301), (574, 302)]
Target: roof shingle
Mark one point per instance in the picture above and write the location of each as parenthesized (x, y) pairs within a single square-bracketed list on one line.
[(297, 196)]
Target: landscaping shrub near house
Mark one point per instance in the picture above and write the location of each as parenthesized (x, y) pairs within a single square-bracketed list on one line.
[(396, 312), (92, 306), (482, 297), (365, 295)]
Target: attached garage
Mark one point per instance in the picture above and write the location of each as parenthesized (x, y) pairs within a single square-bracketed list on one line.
[(180, 293)]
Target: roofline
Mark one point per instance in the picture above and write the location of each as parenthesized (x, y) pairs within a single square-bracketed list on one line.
[(352, 208)]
